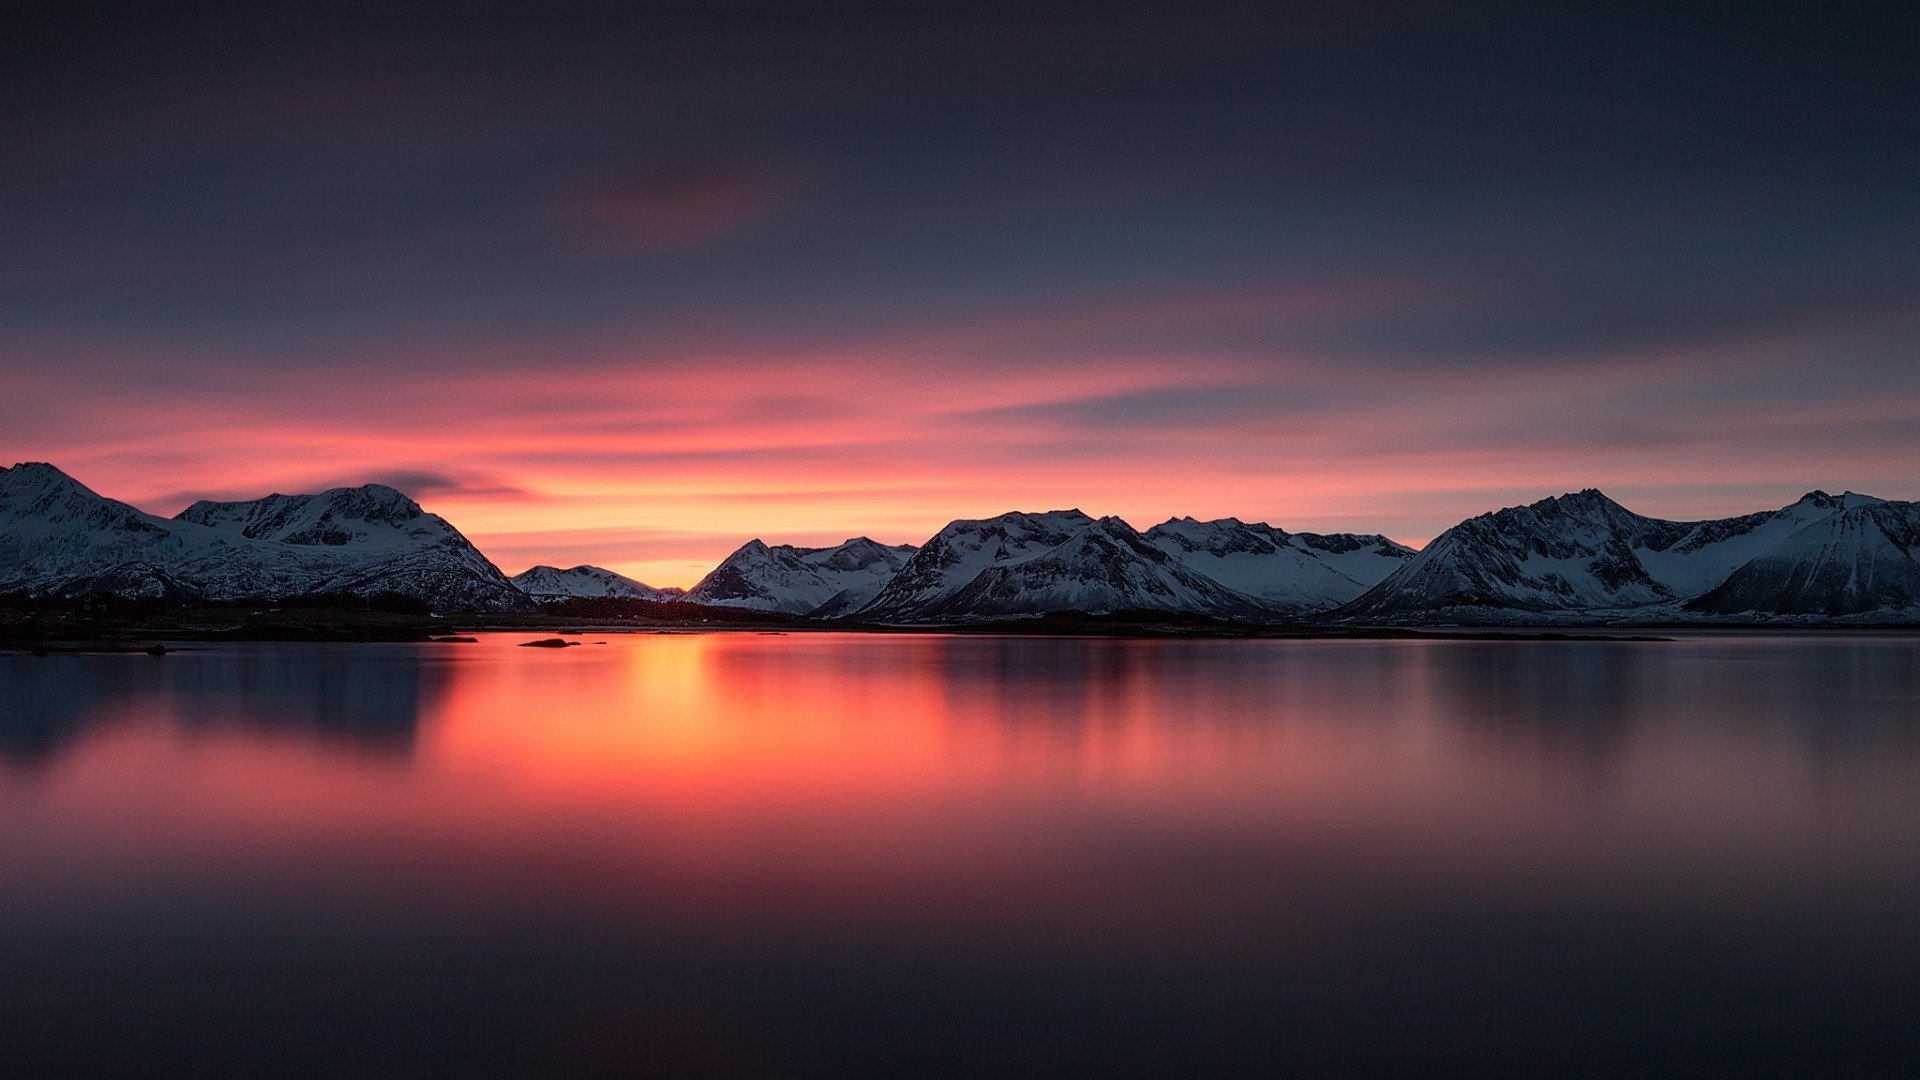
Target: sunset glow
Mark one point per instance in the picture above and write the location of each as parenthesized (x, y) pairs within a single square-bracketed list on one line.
[(658, 463), (595, 306)]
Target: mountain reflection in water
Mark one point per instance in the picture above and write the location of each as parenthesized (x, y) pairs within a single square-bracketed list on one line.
[(847, 854)]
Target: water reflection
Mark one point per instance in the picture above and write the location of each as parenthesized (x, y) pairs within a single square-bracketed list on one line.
[(836, 855), (365, 697)]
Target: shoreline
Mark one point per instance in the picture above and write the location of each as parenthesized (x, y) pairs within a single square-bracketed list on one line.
[(48, 632)]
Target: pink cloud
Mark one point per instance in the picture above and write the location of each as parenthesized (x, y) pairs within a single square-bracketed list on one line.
[(657, 459)]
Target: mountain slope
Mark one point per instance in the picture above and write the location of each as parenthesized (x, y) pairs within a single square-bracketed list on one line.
[(963, 549), (1705, 553), (1570, 552), (1105, 567), (1863, 559), (359, 540), (1581, 553), (548, 584), (801, 581), (1290, 573), (58, 537)]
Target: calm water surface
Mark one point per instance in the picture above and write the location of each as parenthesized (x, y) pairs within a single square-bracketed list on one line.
[(852, 855)]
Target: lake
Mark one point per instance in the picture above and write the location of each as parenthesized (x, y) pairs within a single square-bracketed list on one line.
[(832, 855)]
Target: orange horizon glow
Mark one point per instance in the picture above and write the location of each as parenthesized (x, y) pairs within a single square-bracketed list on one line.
[(657, 460)]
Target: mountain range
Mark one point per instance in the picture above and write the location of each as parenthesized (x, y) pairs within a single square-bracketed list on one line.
[(1582, 556), (60, 538), (1575, 558)]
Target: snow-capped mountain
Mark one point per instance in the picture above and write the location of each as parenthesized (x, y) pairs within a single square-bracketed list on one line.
[(958, 553), (1706, 552), (1570, 552), (1289, 573), (58, 537), (1862, 559), (1575, 557), (1578, 554), (359, 540), (1103, 567), (548, 584), (801, 581)]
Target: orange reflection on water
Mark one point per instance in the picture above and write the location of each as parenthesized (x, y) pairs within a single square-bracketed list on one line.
[(751, 846), (965, 775)]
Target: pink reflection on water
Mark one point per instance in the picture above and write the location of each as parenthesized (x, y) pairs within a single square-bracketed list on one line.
[(1002, 782)]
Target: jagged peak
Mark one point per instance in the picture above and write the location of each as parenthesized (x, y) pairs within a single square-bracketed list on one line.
[(38, 476), (864, 541), (1012, 519), (372, 502), (1585, 502), (1824, 500), (586, 572), (1584, 498), (380, 492), (1582, 502), (1071, 514), (544, 571), (1221, 522)]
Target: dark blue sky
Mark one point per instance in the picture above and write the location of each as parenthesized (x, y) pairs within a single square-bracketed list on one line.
[(629, 283)]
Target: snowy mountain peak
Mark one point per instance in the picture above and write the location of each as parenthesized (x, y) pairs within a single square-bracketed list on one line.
[(38, 500), (1291, 573), (1851, 499), (1862, 559), (1585, 553), (800, 580), (1220, 535), (1573, 550), (1073, 518), (1846, 500), (549, 584), (958, 553), (30, 476), (860, 554), (373, 502), (63, 539), (1590, 504), (36, 484), (1104, 566), (332, 517)]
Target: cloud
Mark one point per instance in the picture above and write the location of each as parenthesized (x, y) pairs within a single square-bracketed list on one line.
[(656, 455), (1179, 407), (656, 208), (420, 484)]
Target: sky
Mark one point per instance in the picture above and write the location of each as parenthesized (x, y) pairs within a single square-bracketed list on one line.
[(630, 286)]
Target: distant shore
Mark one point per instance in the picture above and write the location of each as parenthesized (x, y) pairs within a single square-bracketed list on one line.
[(56, 629)]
